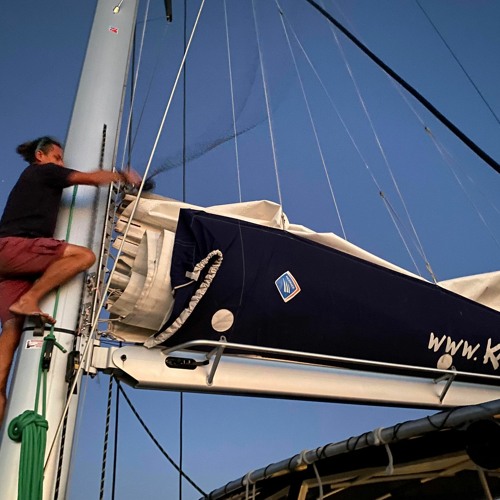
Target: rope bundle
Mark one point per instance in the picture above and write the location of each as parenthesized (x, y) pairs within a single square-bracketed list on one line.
[(30, 429)]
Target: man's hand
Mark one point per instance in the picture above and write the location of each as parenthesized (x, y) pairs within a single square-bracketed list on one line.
[(132, 177), (102, 177)]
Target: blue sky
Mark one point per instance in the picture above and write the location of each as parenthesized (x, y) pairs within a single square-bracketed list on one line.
[(42, 52)]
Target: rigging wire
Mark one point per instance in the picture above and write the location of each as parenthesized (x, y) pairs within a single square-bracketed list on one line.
[(115, 444), (411, 231), (237, 156), (167, 109), (184, 99), (466, 140), (131, 103), (447, 157), (81, 405), (235, 131), (390, 209), (449, 160), (268, 106), (134, 87), (106, 438), (381, 148), (184, 173), (155, 441), (148, 91), (311, 119), (181, 439), (476, 88), (185, 155)]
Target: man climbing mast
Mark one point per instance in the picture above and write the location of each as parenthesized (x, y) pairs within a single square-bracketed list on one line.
[(32, 262)]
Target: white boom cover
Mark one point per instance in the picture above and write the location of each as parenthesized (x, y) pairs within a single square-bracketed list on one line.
[(141, 296)]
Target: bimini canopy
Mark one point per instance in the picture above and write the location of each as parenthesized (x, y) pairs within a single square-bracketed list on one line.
[(449, 455)]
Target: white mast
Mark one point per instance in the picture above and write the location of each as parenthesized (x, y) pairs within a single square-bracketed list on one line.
[(98, 107)]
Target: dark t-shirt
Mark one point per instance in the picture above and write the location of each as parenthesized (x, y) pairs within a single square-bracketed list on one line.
[(33, 204)]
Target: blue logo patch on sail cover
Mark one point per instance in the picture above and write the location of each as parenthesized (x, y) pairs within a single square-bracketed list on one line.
[(287, 286)]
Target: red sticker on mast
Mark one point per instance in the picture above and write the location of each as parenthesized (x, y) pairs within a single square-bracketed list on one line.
[(34, 344), (113, 29)]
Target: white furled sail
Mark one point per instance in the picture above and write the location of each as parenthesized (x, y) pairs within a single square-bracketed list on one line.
[(142, 297)]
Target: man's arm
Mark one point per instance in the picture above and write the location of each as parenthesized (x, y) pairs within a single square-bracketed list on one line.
[(103, 177)]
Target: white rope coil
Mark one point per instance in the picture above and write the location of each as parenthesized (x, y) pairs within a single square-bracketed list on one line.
[(215, 255)]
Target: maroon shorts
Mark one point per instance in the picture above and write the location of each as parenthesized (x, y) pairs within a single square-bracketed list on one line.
[(22, 261)]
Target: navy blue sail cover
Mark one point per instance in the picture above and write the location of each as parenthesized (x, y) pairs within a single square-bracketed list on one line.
[(291, 293)]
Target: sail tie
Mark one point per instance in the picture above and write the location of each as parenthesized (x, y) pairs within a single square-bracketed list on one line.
[(378, 440), (304, 460), (214, 258), (247, 481)]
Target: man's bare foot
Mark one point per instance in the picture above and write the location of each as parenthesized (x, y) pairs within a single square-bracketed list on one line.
[(40, 318), (25, 309)]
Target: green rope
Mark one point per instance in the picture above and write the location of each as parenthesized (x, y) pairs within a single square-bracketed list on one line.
[(68, 232), (30, 428)]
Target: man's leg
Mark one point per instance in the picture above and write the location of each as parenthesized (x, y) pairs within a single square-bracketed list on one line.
[(74, 260), (9, 340)]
